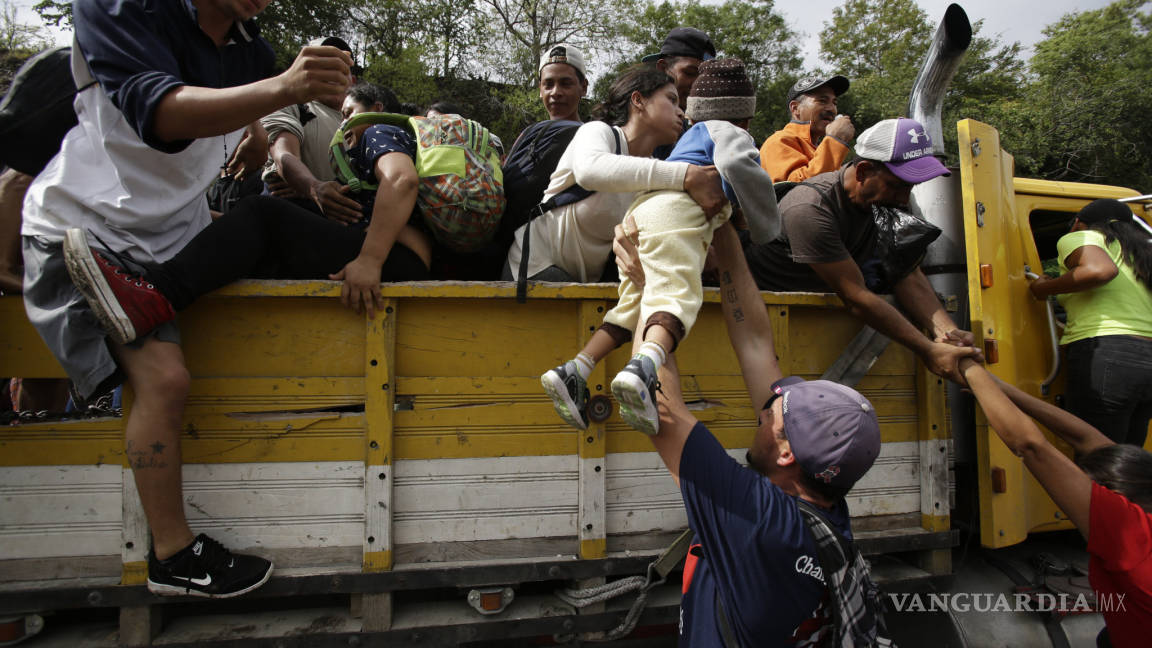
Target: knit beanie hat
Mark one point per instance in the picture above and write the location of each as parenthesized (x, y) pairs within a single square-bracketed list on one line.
[(722, 91)]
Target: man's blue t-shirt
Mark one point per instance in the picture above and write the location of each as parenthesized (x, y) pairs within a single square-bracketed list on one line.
[(754, 548)]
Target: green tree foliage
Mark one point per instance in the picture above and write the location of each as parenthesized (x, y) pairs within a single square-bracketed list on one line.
[(527, 27), (57, 13), (1087, 115), (16, 35)]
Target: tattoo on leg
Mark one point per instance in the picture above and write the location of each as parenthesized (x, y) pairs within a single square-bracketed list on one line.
[(738, 314), (140, 459)]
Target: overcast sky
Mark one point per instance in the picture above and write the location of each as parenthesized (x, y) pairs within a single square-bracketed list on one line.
[(1013, 20)]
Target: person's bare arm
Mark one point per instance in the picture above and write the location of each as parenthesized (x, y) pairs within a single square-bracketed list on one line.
[(1065, 483), (919, 300), (1075, 431), (395, 199), (251, 153), (845, 279), (746, 317), (192, 112), (676, 420), (330, 196), (1088, 266)]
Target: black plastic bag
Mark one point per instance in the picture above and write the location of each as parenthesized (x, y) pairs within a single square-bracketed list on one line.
[(902, 240)]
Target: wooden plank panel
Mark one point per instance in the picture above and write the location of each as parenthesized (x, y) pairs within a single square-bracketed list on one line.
[(459, 337), (60, 511), (485, 499), (272, 394), (22, 350), (287, 505), (86, 441), (272, 337)]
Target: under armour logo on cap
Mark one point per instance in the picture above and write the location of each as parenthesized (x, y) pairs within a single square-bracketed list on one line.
[(915, 136)]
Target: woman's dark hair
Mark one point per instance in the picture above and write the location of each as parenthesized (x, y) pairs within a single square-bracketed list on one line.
[(1123, 468), (446, 108), (645, 79), (371, 93), (1116, 222)]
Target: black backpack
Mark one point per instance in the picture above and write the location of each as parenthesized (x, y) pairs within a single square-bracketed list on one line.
[(528, 168), (37, 112)]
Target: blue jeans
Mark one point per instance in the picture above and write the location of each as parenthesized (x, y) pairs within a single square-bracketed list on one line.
[(1110, 385)]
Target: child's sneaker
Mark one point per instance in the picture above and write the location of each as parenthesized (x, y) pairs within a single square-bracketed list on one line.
[(127, 305), (569, 394), (635, 390), (206, 568)]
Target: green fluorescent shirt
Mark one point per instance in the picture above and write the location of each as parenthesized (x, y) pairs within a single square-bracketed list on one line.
[(1123, 306)]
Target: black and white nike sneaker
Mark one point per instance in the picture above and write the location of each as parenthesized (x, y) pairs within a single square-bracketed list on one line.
[(205, 568)]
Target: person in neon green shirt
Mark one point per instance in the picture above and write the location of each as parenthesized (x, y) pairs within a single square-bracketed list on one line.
[(1106, 288)]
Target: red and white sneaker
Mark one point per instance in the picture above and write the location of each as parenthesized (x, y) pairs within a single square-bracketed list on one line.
[(127, 305)]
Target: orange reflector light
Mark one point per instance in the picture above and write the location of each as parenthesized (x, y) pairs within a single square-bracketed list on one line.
[(491, 600), (991, 351), (985, 275), (999, 480)]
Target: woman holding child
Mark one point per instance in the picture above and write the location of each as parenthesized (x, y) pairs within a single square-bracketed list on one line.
[(611, 157)]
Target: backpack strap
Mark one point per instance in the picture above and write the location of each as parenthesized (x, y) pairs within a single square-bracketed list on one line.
[(338, 148), (854, 599), (727, 635), (572, 194)]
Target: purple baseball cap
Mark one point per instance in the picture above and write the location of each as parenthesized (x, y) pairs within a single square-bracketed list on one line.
[(832, 429), (904, 147)]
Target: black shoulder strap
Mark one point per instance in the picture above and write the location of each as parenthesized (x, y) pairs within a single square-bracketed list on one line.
[(727, 636), (572, 194)]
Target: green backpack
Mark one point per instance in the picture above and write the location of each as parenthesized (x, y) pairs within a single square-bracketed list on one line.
[(461, 193)]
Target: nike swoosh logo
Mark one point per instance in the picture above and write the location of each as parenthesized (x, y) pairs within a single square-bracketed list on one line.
[(202, 582)]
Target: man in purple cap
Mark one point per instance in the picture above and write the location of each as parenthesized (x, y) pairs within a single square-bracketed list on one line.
[(753, 572), (829, 240)]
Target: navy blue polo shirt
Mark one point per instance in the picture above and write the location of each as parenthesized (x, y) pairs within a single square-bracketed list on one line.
[(139, 50), (754, 549)]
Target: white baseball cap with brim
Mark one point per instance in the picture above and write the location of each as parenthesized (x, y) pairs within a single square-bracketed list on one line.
[(903, 145), (563, 53)]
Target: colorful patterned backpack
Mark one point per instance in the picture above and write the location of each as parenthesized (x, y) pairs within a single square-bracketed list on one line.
[(461, 194)]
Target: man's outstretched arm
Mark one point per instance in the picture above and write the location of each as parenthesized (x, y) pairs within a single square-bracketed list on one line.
[(747, 318), (845, 278)]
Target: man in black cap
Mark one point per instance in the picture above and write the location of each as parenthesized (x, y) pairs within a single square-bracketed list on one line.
[(684, 49), (817, 139)]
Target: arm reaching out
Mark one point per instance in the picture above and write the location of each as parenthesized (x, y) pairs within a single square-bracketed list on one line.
[(746, 316), (1076, 432), (1068, 486)]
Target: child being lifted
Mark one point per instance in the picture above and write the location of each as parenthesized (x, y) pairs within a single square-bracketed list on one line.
[(673, 239)]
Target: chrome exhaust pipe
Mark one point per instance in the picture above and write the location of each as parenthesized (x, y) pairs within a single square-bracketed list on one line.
[(926, 102), (939, 201)]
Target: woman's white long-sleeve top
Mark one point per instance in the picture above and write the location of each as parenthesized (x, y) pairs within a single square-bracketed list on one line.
[(577, 238)]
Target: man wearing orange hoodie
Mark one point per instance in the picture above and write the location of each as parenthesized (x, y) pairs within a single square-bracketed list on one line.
[(817, 139)]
